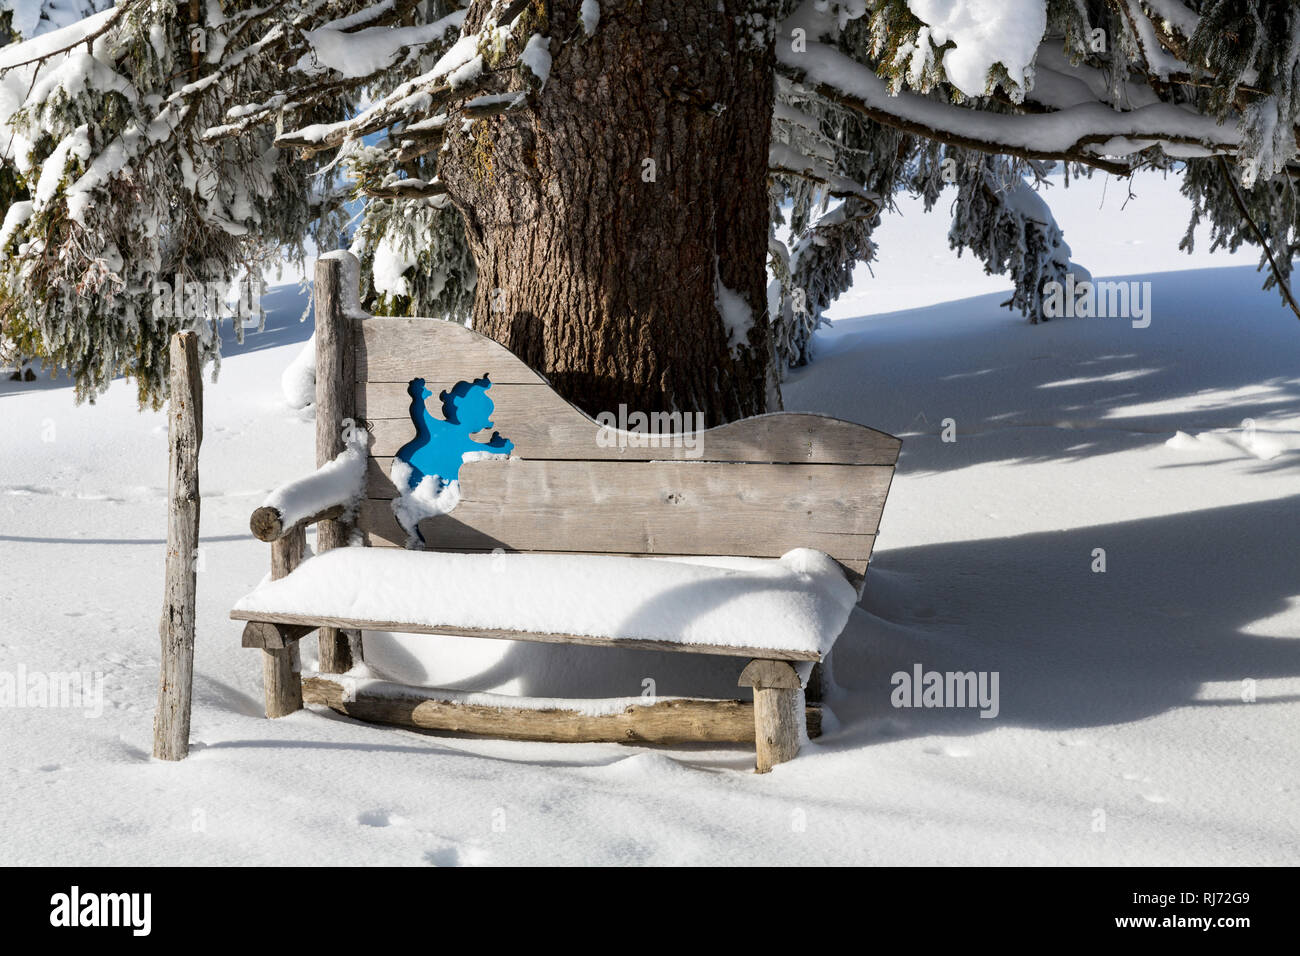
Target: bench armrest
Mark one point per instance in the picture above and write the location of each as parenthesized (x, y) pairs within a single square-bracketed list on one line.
[(331, 491), (268, 524)]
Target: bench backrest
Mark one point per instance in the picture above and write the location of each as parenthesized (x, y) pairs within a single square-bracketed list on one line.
[(757, 487)]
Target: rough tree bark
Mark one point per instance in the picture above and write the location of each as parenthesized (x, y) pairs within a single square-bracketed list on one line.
[(606, 210)]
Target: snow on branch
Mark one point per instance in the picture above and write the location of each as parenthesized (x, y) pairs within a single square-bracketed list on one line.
[(1007, 224), (1091, 133), (815, 272), (1177, 14), (982, 34), (337, 57), (462, 71), (1155, 43), (785, 160), (417, 97), (354, 52), (37, 51)]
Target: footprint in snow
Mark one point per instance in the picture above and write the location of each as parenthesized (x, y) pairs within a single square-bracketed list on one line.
[(444, 856), (379, 818)]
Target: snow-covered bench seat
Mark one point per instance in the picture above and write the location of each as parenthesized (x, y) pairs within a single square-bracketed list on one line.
[(561, 530), (789, 608)]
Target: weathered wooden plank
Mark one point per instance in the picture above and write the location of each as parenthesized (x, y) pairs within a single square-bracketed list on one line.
[(605, 533), (537, 637), (399, 349), (171, 731), (848, 499), (844, 499), (646, 507), (335, 411), (855, 569), (521, 415), (674, 721), (543, 425), (853, 553)]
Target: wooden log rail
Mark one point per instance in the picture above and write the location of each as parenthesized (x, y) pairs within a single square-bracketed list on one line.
[(669, 721), (267, 523)]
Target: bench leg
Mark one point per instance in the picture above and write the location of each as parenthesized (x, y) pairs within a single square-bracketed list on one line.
[(282, 680), (776, 726), (778, 718), (282, 666), (335, 651), (335, 645)]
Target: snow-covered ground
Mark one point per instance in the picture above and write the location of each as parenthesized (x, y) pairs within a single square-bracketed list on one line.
[(1122, 734)]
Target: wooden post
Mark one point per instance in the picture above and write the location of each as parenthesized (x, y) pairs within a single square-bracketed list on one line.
[(336, 391), (776, 714), (282, 666), (171, 728)]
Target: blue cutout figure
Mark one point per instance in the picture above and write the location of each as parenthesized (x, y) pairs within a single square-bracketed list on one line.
[(439, 446)]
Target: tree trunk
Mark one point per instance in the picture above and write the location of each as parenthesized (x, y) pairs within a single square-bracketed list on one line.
[(621, 211)]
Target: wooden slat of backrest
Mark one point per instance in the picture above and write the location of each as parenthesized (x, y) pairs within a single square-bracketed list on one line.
[(758, 487), (392, 352), (385, 533), (398, 350), (644, 536), (543, 425), (855, 568), (839, 498), (659, 507)]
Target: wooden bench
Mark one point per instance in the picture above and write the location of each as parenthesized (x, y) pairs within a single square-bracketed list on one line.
[(754, 488)]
